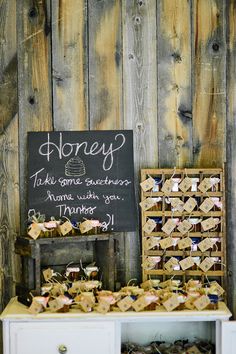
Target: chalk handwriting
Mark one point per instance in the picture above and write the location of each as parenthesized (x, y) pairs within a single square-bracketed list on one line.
[(109, 198), (106, 182), (58, 198), (63, 149), (106, 224), (45, 181), (88, 195), (69, 210)]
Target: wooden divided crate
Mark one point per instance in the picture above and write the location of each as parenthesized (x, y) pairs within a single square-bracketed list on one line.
[(163, 208), (33, 254)]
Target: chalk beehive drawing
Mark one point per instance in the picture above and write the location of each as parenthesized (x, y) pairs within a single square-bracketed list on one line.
[(75, 167)]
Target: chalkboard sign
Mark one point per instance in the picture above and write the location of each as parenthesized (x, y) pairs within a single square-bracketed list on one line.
[(83, 175)]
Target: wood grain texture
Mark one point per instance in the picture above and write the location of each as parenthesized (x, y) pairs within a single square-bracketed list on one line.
[(9, 170), (105, 80), (231, 158), (140, 99), (209, 69), (69, 64), (174, 83), (105, 64), (34, 80)]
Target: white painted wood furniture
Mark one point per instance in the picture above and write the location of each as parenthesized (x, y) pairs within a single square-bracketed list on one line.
[(79, 333), (229, 337)]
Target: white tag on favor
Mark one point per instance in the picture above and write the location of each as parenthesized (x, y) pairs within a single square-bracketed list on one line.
[(148, 184)]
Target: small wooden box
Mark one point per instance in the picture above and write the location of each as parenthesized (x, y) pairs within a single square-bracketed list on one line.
[(31, 254)]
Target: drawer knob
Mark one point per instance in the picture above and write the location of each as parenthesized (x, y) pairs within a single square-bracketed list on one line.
[(62, 349)]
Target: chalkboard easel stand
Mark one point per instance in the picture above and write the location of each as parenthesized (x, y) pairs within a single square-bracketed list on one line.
[(30, 252)]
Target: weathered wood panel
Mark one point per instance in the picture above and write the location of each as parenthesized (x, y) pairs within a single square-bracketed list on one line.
[(34, 79), (105, 78), (231, 153), (69, 64), (105, 59), (140, 100), (174, 83), (209, 69), (9, 169)]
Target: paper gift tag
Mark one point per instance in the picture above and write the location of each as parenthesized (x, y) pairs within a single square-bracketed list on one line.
[(171, 303), (151, 242), (147, 203), (149, 226), (205, 185), (216, 287), (146, 285), (205, 244), (65, 228), (190, 205), (202, 302), (214, 180), (193, 350), (148, 184), (35, 308), (125, 303), (187, 263), (177, 204), (166, 243), (185, 243), (171, 264), (85, 305), (169, 226), (207, 205), (85, 226), (102, 307), (48, 274), (206, 264), (208, 224), (167, 186), (149, 263), (184, 227), (55, 305), (140, 304), (185, 184), (35, 231)]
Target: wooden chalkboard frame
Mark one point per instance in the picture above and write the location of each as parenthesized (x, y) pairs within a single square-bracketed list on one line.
[(83, 175)]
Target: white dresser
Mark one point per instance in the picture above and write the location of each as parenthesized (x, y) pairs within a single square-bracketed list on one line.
[(80, 333)]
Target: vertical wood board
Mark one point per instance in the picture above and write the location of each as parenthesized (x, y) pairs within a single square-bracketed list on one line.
[(9, 172), (69, 64), (174, 83), (209, 86), (34, 80), (230, 151), (140, 99), (105, 70)]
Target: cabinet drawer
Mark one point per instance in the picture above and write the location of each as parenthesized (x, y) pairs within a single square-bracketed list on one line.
[(44, 337)]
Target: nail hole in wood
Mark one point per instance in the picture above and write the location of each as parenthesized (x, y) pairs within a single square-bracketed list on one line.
[(215, 47), (140, 3), (137, 20), (131, 56), (31, 100), (33, 12), (177, 57)]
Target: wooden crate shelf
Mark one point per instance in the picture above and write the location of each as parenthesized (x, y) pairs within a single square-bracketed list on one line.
[(31, 251), (162, 211)]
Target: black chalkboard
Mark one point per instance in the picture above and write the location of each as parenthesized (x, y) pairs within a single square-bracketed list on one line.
[(83, 175)]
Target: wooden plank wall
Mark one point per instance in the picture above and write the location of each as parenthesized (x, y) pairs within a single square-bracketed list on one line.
[(163, 68)]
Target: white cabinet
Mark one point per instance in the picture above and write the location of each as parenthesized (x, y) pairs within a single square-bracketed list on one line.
[(229, 337), (62, 337), (80, 333)]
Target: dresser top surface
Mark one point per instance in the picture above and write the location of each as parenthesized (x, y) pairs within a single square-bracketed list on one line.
[(16, 311)]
